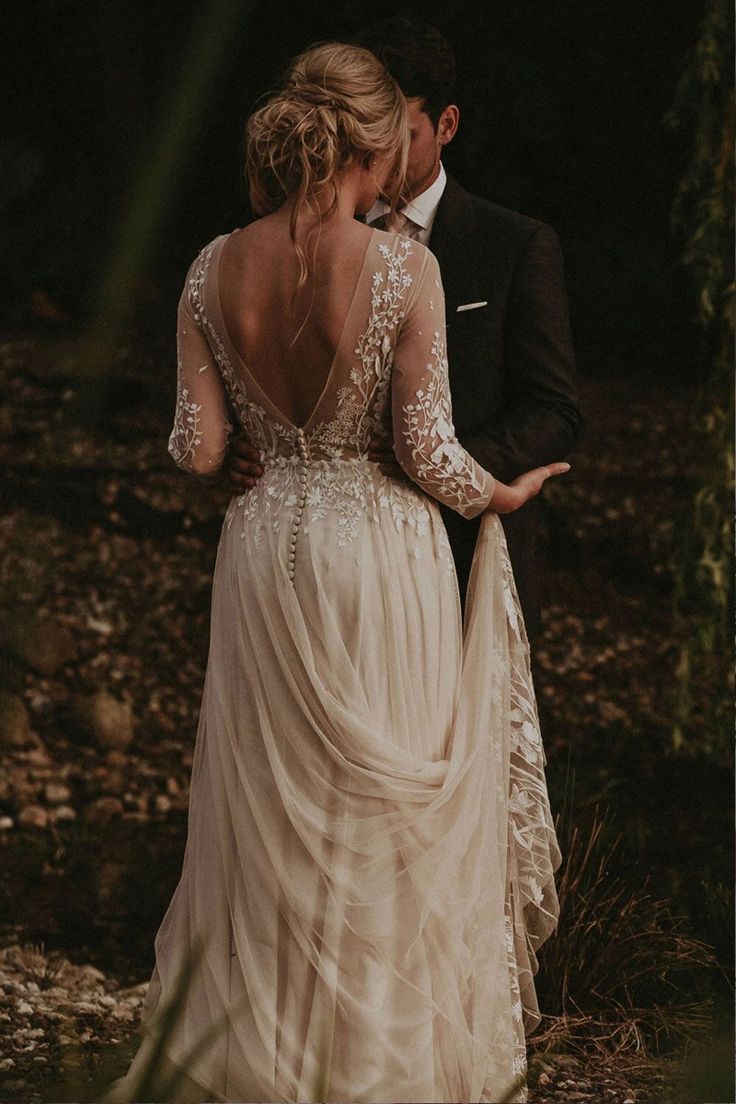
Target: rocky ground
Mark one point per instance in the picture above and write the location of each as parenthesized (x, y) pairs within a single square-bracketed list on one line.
[(65, 1029), (106, 554)]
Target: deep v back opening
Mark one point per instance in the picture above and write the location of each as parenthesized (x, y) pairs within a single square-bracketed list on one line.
[(252, 379)]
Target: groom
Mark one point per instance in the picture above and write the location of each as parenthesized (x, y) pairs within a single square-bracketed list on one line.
[(508, 336)]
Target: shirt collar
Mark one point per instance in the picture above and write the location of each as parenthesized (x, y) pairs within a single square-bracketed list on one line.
[(422, 209)]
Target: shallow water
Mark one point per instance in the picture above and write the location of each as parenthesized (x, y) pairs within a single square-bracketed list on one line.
[(98, 895)]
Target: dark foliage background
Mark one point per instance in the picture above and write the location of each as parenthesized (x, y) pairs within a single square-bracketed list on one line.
[(562, 118)]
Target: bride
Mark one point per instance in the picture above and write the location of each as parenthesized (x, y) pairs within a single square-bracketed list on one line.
[(369, 869)]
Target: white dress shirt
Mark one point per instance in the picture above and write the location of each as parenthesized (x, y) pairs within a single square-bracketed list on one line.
[(420, 211)]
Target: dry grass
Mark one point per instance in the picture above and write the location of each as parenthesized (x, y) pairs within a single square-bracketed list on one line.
[(618, 975), (36, 964)]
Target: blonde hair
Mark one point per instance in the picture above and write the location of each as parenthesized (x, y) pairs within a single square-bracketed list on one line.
[(337, 101)]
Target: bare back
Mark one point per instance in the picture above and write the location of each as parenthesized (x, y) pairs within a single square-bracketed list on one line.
[(257, 277)]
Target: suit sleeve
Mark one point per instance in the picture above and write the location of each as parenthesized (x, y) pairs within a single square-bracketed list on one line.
[(540, 419)]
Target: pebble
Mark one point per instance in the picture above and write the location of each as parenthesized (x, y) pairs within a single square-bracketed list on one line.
[(103, 809), (56, 793), (38, 757), (81, 1006), (6, 823), (15, 722), (33, 816), (64, 812), (114, 782), (42, 645), (91, 973), (109, 720)]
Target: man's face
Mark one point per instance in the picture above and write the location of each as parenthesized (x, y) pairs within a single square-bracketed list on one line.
[(426, 143)]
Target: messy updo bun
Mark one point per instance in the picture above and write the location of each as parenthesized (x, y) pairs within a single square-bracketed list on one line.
[(337, 101)]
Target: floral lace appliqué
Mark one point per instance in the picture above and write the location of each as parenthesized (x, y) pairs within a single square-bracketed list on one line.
[(430, 434), (185, 436)]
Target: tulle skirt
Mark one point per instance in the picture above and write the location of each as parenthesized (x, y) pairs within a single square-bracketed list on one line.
[(369, 868)]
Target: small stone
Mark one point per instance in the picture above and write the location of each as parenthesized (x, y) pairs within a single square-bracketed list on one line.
[(33, 816), (41, 644), (38, 756), (108, 719), (40, 1060), (6, 823), (7, 1064), (82, 1007), (103, 809), (15, 722), (544, 1079), (114, 782), (38, 701), (162, 803), (57, 793), (24, 1008), (64, 812), (91, 973), (64, 1040)]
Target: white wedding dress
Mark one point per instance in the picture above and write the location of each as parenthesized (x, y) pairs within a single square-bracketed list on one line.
[(369, 868)]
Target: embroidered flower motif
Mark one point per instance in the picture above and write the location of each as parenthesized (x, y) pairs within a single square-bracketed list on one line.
[(430, 435), (185, 436)]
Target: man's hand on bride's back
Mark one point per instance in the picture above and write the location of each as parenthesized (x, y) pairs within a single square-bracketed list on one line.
[(244, 467), (508, 497)]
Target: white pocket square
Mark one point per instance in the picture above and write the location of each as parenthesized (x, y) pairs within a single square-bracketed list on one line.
[(472, 306)]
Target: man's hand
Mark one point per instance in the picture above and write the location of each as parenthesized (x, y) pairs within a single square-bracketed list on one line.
[(244, 467)]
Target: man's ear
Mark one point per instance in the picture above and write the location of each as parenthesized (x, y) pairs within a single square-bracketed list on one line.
[(448, 123)]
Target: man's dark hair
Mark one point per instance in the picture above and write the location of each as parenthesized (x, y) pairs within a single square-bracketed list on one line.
[(418, 57)]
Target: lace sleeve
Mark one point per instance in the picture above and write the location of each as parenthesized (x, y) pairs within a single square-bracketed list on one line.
[(199, 438), (424, 436)]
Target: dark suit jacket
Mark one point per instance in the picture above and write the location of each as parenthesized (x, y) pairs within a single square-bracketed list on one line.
[(512, 373)]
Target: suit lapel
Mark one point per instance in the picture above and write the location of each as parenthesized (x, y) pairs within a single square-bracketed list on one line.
[(455, 243)]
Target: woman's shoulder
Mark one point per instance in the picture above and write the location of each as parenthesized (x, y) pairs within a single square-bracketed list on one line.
[(201, 260), (192, 295)]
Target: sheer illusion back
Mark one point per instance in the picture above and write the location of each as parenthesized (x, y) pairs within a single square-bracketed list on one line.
[(370, 854), (289, 335), (385, 394)]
